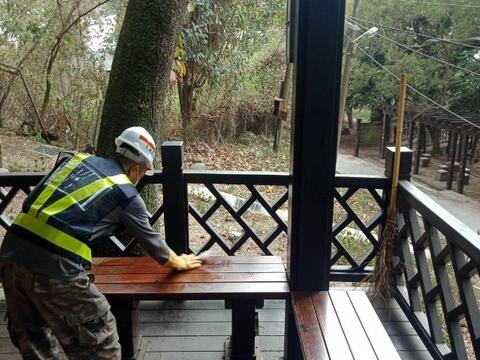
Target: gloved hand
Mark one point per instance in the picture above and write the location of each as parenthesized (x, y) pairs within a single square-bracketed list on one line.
[(183, 262)]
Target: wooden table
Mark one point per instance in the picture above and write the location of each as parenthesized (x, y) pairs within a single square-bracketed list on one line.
[(244, 282)]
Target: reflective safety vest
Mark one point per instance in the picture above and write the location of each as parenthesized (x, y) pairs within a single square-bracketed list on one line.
[(61, 212)]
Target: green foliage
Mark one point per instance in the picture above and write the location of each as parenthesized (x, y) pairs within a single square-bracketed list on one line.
[(28, 32), (372, 87), (219, 41)]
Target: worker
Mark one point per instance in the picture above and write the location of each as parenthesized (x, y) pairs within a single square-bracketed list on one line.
[(45, 255)]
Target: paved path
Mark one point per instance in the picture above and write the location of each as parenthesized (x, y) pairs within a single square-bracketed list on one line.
[(462, 207)]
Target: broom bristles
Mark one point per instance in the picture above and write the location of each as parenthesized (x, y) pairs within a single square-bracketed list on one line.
[(380, 282)]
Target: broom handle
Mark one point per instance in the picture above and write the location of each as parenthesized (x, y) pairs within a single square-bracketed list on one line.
[(398, 144)]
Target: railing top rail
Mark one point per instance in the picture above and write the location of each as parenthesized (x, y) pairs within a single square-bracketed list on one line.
[(21, 178), (347, 180), (237, 177), (456, 231), (214, 176)]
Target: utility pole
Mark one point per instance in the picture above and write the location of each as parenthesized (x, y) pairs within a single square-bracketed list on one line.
[(350, 50)]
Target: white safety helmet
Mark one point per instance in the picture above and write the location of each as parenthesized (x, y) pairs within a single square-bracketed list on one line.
[(139, 139)]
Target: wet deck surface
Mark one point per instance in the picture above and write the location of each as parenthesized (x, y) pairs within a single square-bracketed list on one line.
[(196, 330)]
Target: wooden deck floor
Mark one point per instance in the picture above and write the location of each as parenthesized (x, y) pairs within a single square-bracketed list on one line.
[(196, 330)]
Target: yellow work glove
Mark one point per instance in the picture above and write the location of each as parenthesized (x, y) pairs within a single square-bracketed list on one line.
[(183, 262)]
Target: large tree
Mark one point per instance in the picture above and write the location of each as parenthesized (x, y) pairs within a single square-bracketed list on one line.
[(139, 77), (141, 65)]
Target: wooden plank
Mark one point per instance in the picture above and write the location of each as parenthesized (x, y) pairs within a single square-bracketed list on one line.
[(352, 327), (391, 315), (335, 341), (169, 344), (310, 334), (193, 291), (408, 342), (415, 355), (201, 304), (159, 305), (189, 277), (374, 329), (206, 343), (399, 328), (159, 269), (193, 355), (273, 315), (204, 316), (204, 328), (211, 260), (198, 355)]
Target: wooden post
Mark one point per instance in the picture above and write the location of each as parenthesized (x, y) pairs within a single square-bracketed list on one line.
[(406, 157), (411, 127), (314, 122), (452, 156), (420, 147), (449, 141), (284, 94), (463, 165), (460, 146), (473, 155), (386, 134), (128, 326), (423, 138), (175, 198), (358, 138)]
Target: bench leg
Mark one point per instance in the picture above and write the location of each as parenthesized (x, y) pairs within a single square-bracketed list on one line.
[(127, 316), (292, 342), (244, 329)]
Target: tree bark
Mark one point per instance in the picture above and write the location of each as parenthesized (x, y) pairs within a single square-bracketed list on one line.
[(139, 77), (140, 70)]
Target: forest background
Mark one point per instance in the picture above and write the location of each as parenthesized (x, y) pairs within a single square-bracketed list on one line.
[(228, 64)]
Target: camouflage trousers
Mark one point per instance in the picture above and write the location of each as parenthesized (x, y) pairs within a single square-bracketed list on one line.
[(43, 312)]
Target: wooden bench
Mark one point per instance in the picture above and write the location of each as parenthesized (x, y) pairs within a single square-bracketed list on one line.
[(340, 324), (244, 282)]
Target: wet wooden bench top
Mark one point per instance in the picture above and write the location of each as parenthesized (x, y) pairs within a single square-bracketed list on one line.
[(235, 277), (339, 324)]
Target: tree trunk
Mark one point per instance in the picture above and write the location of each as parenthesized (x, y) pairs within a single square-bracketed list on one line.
[(139, 77), (350, 118), (436, 138), (140, 70), (186, 89)]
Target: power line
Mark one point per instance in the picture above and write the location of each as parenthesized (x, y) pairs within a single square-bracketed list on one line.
[(443, 4), (420, 53), (415, 33), (411, 87)]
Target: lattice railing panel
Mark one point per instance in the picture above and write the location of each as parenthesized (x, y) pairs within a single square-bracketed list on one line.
[(359, 213), (231, 221), (437, 280)]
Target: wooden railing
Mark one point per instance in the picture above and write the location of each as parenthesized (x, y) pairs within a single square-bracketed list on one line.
[(349, 231), (437, 281), (437, 260), (352, 230)]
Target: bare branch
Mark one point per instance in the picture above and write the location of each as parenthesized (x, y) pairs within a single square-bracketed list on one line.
[(62, 34)]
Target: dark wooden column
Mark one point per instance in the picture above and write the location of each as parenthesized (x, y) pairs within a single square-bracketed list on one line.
[(358, 136), (175, 199), (411, 128), (463, 163), (451, 157), (460, 146), (385, 134), (316, 89)]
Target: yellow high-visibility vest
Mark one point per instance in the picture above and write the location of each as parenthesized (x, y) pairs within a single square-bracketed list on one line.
[(60, 213)]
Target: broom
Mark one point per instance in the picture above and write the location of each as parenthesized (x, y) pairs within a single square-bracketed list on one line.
[(380, 280)]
